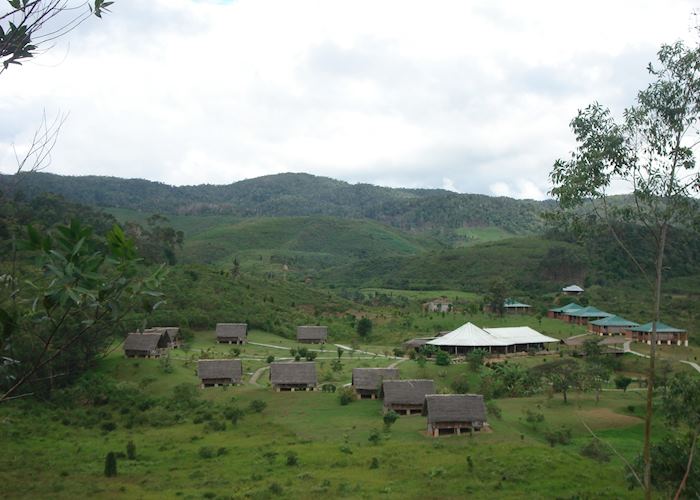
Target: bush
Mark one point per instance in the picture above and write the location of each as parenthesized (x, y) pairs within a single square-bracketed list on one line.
[(346, 396), (275, 489), (270, 359), (460, 385), (374, 437), (214, 426), (442, 358), (257, 406), (131, 450), (374, 464), (398, 352), (108, 426), (596, 451), (110, 464), (560, 436), (622, 382), (234, 414), (364, 327), (389, 418), (206, 452), (311, 355), (292, 459)]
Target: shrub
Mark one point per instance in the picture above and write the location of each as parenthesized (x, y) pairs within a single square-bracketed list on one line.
[(460, 385), (108, 426), (374, 437), (311, 355), (398, 352), (206, 452), (346, 396), (234, 414), (257, 406), (110, 464), (596, 451), (374, 464), (270, 358), (622, 382), (442, 358), (214, 426), (131, 450), (336, 365), (275, 489), (389, 418), (560, 436), (346, 449), (292, 459)]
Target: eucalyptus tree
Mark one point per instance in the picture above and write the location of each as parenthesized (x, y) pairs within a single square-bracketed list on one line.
[(650, 151)]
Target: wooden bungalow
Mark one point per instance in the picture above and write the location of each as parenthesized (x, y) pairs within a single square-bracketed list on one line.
[(438, 305), (406, 397), (665, 334), (584, 315), (558, 312), (367, 382), (312, 334), (454, 413), (171, 334), (415, 344), (215, 372), (572, 290), (144, 345), (611, 325), (296, 376), (231, 333), (512, 306)]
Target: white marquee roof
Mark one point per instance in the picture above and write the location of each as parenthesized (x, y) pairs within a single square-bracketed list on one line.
[(470, 335)]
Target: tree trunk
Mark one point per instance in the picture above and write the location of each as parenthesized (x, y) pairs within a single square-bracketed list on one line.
[(681, 487), (652, 362)]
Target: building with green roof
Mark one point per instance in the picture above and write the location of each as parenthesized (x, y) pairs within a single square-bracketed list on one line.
[(584, 315), (665, 334), (559, 311), (512, 306), (610, 325)]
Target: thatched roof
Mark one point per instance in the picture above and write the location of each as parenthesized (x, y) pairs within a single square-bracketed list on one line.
[(171, 332), (231, 330), (407, 392), (371, 378), (293, 373), (312, 332), (142, 341), (416, 343), (454, 408), (220, 368)]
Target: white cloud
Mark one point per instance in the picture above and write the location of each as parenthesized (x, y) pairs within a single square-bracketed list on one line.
[(468, 96)]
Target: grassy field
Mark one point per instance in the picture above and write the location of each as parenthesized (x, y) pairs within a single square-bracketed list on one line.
[(475, 235), (184, 451)]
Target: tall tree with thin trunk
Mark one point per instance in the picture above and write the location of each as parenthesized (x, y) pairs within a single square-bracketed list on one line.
[(651, 151)]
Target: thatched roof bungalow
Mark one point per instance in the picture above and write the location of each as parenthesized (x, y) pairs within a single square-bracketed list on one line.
[(144, 345), (293, 376), (231, 333), (214, 372), (454, 413), (406, 397), (367, 382), (312, 334), (171, 334)]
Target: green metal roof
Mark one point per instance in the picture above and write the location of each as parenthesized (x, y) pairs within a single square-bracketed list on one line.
[(573, 306), (514, 303), (614, 321), (660, 328), (589, 312)]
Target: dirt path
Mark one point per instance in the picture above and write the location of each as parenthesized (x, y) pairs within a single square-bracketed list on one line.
[(396, 363), (346, 348), (692, 365), (254, 378)]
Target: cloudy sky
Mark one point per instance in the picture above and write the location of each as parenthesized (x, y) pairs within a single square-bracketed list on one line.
[(472, 96)]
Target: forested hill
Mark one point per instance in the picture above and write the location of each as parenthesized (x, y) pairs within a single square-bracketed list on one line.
[(296, 195)]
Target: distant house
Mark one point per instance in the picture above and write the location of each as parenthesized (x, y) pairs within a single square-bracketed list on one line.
[(610, 325), (454, 413), (512, 306), (312, 334), (572, 290), (293, 376), (665, 334), (415, 344), (144, 345), (438, 305), (584, 315), (367, 382), (558, 312), (231, 333), (171, 334), (406, 397), (214, 372)]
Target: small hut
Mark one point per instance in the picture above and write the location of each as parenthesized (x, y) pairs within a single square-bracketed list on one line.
[(438, 305), (665, 334), (367, 382), (610, 325), (415, 344), (214, 372), (406, 397), (558, 312), (511, 306), (171, 334), (231, 333), (584, 315), (572, 290), (312, 334), (293, 376), (144, 345), (454, 413)]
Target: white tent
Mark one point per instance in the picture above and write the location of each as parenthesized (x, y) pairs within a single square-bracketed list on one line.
[(471, 336)]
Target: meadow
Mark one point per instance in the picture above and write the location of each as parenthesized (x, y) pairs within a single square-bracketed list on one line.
[(302, 444)]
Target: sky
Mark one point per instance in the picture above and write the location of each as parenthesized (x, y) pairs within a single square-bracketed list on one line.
[(469, 96)]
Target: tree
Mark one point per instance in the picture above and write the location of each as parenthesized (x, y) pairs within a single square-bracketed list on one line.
[(497, 295), (595, 376), (364, 327), (87, 288), (111, 464), (622, 382), (27, 25), (389, 418), (475, 358), (562, 374), (442, 358), (652, 150), (681, 404)]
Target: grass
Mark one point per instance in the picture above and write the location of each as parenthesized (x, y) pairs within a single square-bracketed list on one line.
[(468, 236), (330, 440)]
